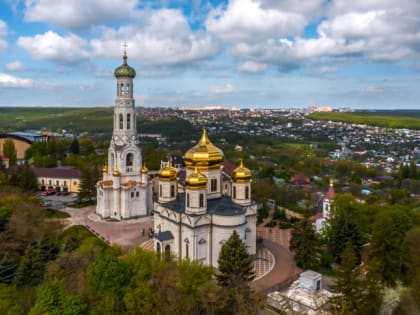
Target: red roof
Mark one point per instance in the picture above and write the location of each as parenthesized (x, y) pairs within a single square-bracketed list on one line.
[(316, 216), (57, 172), (228, 167), (330, 193)]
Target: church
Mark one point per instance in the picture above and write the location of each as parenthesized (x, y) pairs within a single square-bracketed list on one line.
[(124, 191), (195, 223)]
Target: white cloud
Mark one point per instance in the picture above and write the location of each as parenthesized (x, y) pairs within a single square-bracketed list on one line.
[(252, 67), (373, 90), (160, 37), (248, 20), (53, 47), (7, 80), (227, 89), (3, 34), (77, 14), (324, 70), (15, 66)]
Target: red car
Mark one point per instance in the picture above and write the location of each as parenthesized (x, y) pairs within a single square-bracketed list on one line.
[(49, 192)]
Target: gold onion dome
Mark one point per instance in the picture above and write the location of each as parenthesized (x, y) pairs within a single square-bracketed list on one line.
[(168, 173), (204, 154), (241, 174), (144, 169), (116, 173), (196, 180), (105, 169), (125, 71)]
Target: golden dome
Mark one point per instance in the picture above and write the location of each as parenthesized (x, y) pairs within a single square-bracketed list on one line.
[(241, 174), (168, 173), (105, 169), (204, 154), (116, 173), (125, 71), (144, 169), (196, 180)]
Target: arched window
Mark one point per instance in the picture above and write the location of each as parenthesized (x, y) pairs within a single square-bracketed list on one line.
[(160, 190), (172, 191), (121, 121), (111, 165), (187, 254), (129, 162), (128, 121), (188, 199), (201, 200), (246, 192), (213, 184), (234, 192), (121, 92)]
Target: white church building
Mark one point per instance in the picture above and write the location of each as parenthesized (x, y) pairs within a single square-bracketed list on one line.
[(125, 191), (321, 221), (195, 224)]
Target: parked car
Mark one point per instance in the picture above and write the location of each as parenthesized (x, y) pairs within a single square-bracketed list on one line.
[(49, 192)]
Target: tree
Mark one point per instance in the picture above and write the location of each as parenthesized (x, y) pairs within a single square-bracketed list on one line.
[(304, 244), (74, 147), (7, 269), (31, 268), (359, 296), (235, 264), (24, 178), (88, 180), (9, 151)]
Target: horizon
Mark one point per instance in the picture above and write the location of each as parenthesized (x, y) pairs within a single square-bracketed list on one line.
[(239, 53)]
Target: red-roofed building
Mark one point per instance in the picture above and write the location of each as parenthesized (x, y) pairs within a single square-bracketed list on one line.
[(65, 179)]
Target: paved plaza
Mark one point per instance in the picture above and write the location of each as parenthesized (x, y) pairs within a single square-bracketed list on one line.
[(274, 263)]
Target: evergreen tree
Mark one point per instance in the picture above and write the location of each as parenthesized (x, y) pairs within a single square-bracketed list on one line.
[(342, 232), (9, 151), (24, 178), (304, 244), (235, 264), (74, 147), (7, 269), (31, 268)]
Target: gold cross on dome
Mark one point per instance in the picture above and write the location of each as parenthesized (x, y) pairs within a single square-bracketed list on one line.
[(125, 48)]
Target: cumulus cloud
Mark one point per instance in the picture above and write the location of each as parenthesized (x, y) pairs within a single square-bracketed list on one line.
[(77, 14), (371, 89), (15, 66), (248, 20), (7, 80), (53, 47), (160, 37), (3, 34), (252, 67), (227, 89)]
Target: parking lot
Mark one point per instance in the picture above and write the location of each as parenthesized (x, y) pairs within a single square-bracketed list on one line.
[(59, 201)]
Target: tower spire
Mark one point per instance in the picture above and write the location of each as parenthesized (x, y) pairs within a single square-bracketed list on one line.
[(125, 53)]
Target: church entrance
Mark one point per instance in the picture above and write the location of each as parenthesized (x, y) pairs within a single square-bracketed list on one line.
[(167, 252)]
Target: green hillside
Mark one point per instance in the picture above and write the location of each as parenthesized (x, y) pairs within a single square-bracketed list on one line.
[(370, 118)]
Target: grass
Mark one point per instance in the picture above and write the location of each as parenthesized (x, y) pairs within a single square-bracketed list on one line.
[(386, 120), (56, 214)]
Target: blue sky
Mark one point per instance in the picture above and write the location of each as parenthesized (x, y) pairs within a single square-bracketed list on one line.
[(242, 53)]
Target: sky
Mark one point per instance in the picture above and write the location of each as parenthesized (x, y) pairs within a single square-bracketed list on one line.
[(362, 54)]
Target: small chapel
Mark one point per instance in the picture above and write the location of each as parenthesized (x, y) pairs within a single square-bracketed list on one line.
[(124, 191), (195, 223)]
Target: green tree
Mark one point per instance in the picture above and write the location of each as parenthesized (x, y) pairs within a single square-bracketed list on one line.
[(9, 151), (235, 264), (53, 299), (359, 296), (90, 176), (389, 230), (74, 147), (24, 178), (7, 269), (31, 268), (304, 244)]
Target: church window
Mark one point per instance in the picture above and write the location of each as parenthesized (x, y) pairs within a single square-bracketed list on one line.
[(49, 182), (172, 191), (129, 162), (160, 190), (57, 183), (121, 89), (201, 200), (213, 184), (42, 182), (158, 249), (132, 195), (128, 121), (137, 193), (121, 121), (188, 200), (246, 192), (65, 183), (234, 192), (167, 252), (187, 249)]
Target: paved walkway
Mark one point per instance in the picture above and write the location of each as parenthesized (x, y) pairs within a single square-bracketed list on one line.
[(274, 263)]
